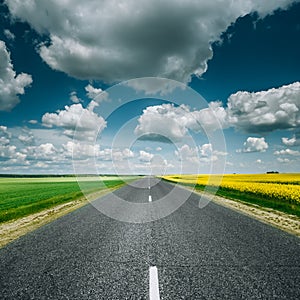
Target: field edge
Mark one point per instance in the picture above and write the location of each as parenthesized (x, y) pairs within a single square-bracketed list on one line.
[(14, 229)]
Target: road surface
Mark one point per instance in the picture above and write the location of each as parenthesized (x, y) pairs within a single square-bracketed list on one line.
[(208, 253)]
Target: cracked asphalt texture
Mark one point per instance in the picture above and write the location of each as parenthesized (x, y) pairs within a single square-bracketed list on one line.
[(207, 253)]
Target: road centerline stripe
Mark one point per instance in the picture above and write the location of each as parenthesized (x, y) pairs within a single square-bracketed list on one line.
[(150, 198), (153, 284)]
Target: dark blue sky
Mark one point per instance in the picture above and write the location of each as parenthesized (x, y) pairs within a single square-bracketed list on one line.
[(255, 55)]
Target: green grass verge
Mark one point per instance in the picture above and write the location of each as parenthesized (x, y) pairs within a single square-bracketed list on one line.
[(21, 197), (251, 198)]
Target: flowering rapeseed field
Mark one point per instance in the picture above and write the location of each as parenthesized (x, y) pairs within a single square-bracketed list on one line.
[(283, 187)]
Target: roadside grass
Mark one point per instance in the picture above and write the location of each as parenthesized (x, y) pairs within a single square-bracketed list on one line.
[(20, 197), (288, 207)]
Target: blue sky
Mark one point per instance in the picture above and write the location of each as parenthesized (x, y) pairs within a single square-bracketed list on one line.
[(72, 93)]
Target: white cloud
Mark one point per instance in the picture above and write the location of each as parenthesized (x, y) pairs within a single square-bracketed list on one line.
[(5, 136), (45, 151), (208, 119), (11, 84), (7, 151), (113, 41), (26, 136), (26, 139), (96, 94), (197, 155), (259, 112), (145, 156), (187, 153), (9, 155), (86, 123), (33, 121), (4, 140), (287, 152), (120, 155), (205, 150), (254, 144), (169, 123), (9, 35), (79, 150), (74, 98), (283, 160), (127, 153), (109, 154), (294, 141), (265, 111), (162, 121)]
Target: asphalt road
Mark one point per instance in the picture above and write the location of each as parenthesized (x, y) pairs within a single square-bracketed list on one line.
[(208, 253)]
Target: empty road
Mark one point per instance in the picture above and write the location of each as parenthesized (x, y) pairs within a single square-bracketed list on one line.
[(193, 253)]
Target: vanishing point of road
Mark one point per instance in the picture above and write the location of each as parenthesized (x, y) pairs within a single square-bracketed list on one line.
[(193, 253)]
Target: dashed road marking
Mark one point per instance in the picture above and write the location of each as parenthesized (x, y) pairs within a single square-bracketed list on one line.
[(150, 198), (153, 284)]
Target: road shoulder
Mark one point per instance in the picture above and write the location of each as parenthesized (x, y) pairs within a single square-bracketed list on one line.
[(283, 221), (12, 230)]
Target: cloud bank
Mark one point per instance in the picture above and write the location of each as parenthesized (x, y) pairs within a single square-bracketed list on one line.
[(114, 40), (260, 113), (265, 111)]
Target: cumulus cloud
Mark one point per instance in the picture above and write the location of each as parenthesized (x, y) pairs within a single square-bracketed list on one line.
[(187, 153), (78, 150), (5, 136), (287, 152), (265, 111), (260, 112), (168, 123), (46, 151), (197, 155), (86, 122), (254, 144), (294, 141), (113, 41), (96, 94), (11, 84), (162, 121), (26, 136), (9, 154), (81, 151), (119, 155), (7, 151), (145, 156)]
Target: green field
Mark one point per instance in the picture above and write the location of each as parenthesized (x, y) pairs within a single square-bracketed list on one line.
[(20, 197)]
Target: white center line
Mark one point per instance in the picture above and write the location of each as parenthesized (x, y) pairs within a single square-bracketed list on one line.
[(153, 284), (150, 198)]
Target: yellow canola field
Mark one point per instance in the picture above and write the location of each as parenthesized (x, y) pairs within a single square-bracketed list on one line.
[(284, 187)]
